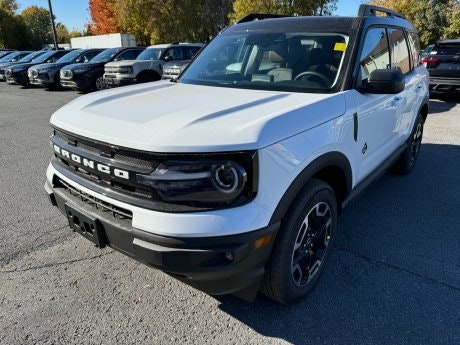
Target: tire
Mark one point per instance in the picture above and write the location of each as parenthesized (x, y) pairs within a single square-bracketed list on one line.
[(407, 160), (98, 83), (303, 244)]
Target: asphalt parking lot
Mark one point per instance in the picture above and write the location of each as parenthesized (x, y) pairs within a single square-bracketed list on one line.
[(393, 277)]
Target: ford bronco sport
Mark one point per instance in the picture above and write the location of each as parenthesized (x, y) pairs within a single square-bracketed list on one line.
[(237, 187), (148, 66)]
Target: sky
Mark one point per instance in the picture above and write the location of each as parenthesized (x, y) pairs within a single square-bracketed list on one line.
[(74, 13)]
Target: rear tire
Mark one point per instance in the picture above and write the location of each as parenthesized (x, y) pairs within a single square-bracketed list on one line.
[(303, 244), (407, 160)]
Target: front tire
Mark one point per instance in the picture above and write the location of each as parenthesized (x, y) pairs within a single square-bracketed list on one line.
[(303, 244), (406, 162), (99, 83)]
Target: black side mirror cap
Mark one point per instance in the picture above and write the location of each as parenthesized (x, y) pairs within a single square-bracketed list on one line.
[(384, 81)]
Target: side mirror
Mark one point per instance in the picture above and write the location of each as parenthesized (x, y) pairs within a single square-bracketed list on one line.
[(167, 58), (79, 60), (384, 81), (14, 60)]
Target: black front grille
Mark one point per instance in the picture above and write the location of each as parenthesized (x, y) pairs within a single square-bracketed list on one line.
[(98, 204), (134, 162)]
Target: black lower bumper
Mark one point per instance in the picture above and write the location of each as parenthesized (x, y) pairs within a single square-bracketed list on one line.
[(215, 265), (444, 84), (113, 82)]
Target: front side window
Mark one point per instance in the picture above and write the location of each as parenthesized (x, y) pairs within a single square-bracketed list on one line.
[(128, 55), (284, 61), (151, 54), (400, 58), (106, 55), (375, 54)]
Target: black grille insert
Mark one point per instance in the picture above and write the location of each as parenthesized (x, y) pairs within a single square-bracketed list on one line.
[(98, 204)]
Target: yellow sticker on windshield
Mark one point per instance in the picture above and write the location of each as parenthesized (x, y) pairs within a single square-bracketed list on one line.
[(340, 47)]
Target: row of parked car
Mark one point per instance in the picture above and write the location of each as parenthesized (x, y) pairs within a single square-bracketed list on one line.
[(95, 69)]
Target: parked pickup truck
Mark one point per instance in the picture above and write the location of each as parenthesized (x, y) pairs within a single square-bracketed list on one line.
[(231, 179)]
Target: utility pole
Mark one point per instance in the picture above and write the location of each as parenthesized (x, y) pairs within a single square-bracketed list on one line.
[(54, 27)]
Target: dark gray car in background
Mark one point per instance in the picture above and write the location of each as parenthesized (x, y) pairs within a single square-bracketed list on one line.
[(47, 74), (443, 64)]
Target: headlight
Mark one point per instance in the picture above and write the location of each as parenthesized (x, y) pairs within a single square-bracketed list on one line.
[(171, 71), (204, 184), (124, 70), (66, 73), (81, 70)]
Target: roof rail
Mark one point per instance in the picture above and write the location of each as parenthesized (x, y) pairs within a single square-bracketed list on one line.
[(370, 10), (259, 16)]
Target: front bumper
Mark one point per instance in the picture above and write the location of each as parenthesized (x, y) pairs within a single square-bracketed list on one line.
[(114, 80), (214, 264), (42, 79), (444, 84), (79, 82), (18, 78)]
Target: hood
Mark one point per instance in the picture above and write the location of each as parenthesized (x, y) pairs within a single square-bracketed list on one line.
[(24, 65), (8, 64), (129, 63), (84, 64), (50, 65), (173, 117)]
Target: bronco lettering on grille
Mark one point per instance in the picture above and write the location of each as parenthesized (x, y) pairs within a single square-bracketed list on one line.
[(85, 162)]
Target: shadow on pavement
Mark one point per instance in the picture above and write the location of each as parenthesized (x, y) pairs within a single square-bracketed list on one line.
[(394, 274)]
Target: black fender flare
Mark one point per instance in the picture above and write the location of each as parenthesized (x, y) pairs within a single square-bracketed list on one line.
[(330, 159)]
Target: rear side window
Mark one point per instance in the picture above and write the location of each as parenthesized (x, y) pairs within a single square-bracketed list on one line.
[(446, 49), (415, 47), (375, 54), (128, 55), (399, 51)]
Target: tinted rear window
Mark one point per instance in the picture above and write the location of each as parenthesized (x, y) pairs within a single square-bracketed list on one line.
[(446, 49)]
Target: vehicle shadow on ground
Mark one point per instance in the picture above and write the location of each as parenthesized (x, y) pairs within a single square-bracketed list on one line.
[(394, 268)]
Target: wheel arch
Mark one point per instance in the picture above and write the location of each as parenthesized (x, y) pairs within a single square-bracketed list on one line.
[(424, 108), (333, 168), (149, 72)]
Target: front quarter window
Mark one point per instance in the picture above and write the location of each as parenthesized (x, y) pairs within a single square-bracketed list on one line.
[(279, 61)]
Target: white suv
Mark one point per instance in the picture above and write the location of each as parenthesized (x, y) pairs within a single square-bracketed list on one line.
[(148, 66), (231, 179)]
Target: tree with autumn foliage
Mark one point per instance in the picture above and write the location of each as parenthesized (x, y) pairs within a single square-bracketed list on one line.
[(104, 19), (434, 19)]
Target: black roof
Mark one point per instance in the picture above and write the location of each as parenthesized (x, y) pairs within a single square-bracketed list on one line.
[(367, 15), (455, 41)]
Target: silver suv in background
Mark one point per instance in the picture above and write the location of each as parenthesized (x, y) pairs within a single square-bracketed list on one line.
[(172, 70), (149, 64)]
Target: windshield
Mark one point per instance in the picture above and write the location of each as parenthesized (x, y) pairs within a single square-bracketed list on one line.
[(151, 54), (43, 57), (285, 61), (70, 57), (106, 55), (9, 56), (29, 57)]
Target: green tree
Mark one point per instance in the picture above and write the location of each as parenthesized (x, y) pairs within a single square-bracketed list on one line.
[(434, 19), (63, 35), (37, 20), (242, 8), (13, 32), (76, 33), (10, 5)]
